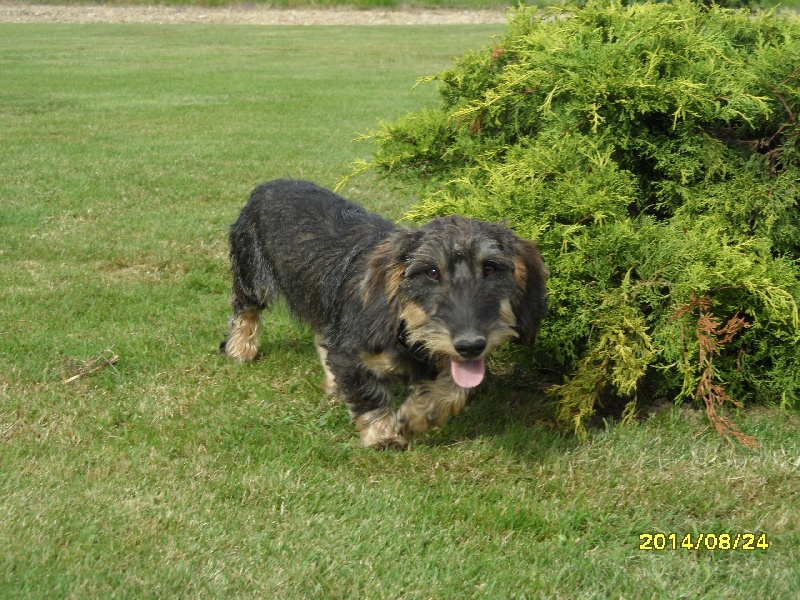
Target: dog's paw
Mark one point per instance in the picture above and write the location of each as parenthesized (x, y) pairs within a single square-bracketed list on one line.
[(411, 423), (397, 443), (381, 431), (241, 342)]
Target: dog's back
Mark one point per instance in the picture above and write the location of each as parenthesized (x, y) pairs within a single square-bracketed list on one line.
[(299, 227)]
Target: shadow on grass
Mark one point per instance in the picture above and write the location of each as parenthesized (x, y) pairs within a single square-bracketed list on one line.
[(510, 409), (513, 412)]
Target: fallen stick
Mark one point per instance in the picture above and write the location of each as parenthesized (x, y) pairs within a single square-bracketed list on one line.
[(103, 362)]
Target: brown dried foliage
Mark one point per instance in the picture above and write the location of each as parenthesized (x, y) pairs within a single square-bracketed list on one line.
[(712, 335)]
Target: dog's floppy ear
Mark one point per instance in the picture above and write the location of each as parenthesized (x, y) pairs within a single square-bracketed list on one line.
[(530, 303), (387, 265), (385, 269)]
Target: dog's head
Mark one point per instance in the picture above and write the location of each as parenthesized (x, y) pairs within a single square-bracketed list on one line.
[(460, 288)]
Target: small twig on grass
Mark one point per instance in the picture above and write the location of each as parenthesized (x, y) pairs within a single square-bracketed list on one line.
[(95, 364)]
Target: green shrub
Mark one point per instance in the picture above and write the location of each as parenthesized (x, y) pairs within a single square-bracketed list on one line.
[(652, 151)]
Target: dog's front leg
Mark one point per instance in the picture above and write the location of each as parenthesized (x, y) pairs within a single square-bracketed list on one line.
[(430, 404), (368, 398)]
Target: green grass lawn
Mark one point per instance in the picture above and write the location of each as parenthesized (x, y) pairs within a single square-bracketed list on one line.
[(125, 152)]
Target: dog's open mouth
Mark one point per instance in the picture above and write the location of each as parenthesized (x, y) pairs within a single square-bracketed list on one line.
[(467, 373)]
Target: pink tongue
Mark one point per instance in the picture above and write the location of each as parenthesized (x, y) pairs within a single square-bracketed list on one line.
[(467, 373)]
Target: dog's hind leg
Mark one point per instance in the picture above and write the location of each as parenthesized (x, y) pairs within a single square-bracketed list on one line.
[(431, 404), (254, 288), (241, 342), (329, 385)]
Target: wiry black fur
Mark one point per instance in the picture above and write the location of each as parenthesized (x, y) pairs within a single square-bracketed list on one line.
[(302, 242), (349, 274)]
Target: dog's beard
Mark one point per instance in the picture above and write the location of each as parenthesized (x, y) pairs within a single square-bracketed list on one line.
[(467, 373), (437, 342), (436, 339)]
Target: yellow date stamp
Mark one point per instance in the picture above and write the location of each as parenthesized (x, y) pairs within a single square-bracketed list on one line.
[(704, 541)]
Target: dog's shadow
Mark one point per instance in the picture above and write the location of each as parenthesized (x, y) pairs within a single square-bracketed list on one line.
[(510, 412)]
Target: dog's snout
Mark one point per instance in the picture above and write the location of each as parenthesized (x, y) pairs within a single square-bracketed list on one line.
[(470, 347)]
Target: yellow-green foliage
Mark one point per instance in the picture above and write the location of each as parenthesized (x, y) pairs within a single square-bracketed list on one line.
[(652, 150)]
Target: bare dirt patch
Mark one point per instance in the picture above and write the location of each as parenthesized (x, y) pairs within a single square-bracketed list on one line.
[(242, 15)]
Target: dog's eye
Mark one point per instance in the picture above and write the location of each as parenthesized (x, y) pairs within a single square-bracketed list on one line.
[(433, 274), (489, 269)]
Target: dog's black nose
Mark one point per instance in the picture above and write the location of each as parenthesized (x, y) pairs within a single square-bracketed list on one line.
[(470, 348)]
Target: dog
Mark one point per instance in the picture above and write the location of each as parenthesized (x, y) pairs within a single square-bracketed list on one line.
[(387, 303)]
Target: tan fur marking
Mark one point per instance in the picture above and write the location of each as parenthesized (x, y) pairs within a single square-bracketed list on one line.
[(393, 280), (381, 364), (504, 328), (507, 316), (498, 337), (329, 385), (435, 339), (242, 342), (431, 404), (432, 335), (379, 429), (387, 276), (520, 272), (414, 315)]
